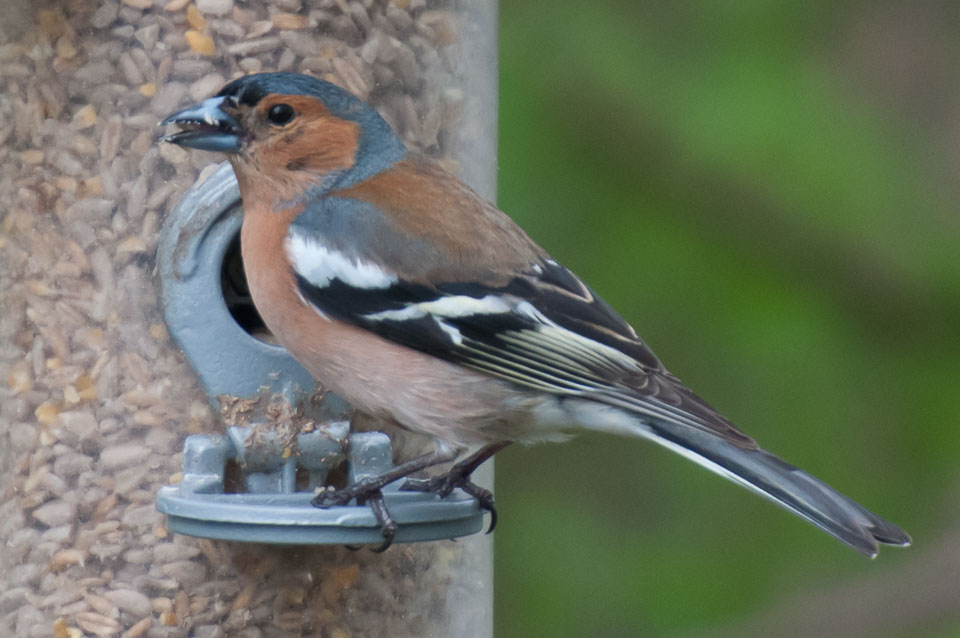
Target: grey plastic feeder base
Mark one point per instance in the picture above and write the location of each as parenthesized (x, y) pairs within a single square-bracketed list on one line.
[(270, 511), (289, 519)]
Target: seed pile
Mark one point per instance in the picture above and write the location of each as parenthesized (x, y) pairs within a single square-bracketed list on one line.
[(95, 399)]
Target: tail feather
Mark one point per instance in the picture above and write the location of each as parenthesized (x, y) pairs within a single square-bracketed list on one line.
[(784, 484), (757, 470)]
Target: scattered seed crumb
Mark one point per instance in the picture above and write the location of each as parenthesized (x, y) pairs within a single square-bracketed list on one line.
[(289, 21), (140, 628), (195, 18), (91, 187), (46, 413), (86, 387), (60, 629), (66, 558), (200, 42), (85, 117), (66, 49), (70, 395), (19, 380), (31, 157)]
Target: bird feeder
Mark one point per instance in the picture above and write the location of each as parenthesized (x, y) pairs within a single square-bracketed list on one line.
[(134, 372), (283, 429)]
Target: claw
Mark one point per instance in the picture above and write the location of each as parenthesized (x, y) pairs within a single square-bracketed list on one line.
[(388, 526), (385, 545), (444, 484), (331, 497), (366, 494), (484, 497)]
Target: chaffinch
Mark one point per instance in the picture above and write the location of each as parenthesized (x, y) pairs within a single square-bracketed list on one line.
[(420, 303)]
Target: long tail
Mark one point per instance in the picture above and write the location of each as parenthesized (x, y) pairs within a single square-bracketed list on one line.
[(771, 477)]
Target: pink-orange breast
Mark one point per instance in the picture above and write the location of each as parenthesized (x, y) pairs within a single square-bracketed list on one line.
[(380, 378)]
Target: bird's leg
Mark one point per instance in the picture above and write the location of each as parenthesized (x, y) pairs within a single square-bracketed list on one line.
[(368, 490), (364, 488), (459, 476), (388, 526)]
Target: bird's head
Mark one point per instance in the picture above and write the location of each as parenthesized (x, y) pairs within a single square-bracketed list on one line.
[(292, 130)]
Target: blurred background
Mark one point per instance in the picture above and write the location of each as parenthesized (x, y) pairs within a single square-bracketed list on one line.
[(769, 192)]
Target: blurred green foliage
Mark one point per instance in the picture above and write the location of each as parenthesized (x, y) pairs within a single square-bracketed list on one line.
[(751, 187)]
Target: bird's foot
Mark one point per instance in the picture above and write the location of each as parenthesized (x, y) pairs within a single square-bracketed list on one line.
[(458, 476), (367, 492)]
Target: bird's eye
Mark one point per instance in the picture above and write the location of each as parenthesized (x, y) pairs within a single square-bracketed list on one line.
[(280, 114)]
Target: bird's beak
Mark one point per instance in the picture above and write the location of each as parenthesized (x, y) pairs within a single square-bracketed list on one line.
[(205, 126)]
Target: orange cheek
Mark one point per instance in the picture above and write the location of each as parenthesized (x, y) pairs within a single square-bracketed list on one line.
[(324, 145), (282, 163), (289, 163), (315, 147)]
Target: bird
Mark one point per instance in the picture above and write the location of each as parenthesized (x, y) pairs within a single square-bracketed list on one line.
[(423, 305)]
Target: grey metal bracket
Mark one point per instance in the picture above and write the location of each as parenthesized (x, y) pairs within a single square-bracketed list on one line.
[(281, 437)]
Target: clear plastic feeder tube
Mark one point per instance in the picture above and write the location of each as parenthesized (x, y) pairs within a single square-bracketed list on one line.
[(96, 396)]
